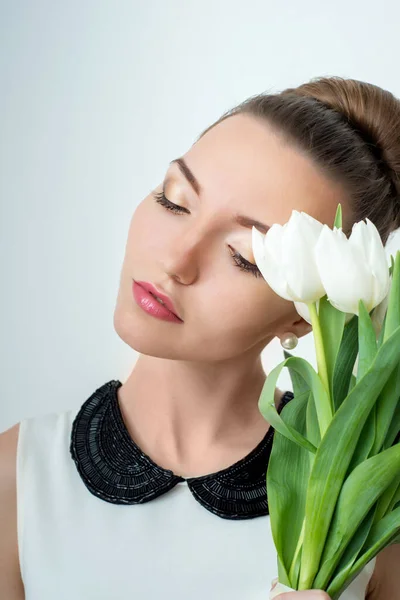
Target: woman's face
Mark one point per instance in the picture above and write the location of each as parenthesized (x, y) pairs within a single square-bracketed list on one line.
[(242, 168)]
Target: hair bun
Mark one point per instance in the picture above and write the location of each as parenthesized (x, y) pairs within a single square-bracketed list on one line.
[(350, 130), (374, 113)]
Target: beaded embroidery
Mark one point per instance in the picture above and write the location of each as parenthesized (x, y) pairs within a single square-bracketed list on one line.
[(115, 469)]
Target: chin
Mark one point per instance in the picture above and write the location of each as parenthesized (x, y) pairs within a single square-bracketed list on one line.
[(142, 334), (150, 336)]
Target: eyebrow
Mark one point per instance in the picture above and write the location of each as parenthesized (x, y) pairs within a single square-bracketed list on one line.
[(240, 219)]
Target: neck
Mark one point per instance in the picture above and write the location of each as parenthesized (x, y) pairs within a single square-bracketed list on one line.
[(178, 412)]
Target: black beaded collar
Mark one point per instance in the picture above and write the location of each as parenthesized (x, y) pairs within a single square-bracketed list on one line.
[(116, 470)]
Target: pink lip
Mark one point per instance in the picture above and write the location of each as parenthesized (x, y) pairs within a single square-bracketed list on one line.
[(143, 295)]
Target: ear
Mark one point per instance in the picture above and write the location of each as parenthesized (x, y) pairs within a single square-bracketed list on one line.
[(303, 327), (299, 327)]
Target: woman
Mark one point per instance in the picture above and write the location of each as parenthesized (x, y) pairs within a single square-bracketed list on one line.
[(156, 487)]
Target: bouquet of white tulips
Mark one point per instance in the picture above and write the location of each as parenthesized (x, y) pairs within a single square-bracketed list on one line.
[(333, 479)]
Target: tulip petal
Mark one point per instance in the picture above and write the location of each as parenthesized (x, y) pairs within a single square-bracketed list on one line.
[(366, 239), (359, 238), (378, 264), (303, 311), (313, 225), (360, 244), (268, 262), (273, 242), (300, 235), (343, 274)]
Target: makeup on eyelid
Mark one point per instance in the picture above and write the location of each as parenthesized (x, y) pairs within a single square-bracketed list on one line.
[(238, 259)]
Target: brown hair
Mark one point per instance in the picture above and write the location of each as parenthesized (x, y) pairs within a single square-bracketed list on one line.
[(351, 130)]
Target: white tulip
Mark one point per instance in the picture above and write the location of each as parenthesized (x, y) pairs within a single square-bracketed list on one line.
[(303, 260), (286, 258), (352, 268)]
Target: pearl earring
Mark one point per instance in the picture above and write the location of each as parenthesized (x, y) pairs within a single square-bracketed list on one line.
[(290, 341)]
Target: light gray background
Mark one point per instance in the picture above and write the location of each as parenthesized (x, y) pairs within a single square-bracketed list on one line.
[(96, 98)]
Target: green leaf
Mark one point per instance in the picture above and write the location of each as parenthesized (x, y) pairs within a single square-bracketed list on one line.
[(358, 495), (367, 352), (393, 309), (382, 332), (386, 408), (266, 402), (335, 452), (332, 323), (365, 442), (381, 535), (338, 217), (353, 549), (345, 362), (391, 268), (298, 382), (287, 475), (367, 347), (396, 498), (300, 386), (389, 498), (394, 428), (313, 431)]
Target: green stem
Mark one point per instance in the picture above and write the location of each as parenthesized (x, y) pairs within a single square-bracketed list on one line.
[(321, 362)]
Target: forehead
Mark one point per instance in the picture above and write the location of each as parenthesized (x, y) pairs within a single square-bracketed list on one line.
[(243, 165)]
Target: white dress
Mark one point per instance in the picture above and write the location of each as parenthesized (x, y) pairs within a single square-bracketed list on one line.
[(99, 520)]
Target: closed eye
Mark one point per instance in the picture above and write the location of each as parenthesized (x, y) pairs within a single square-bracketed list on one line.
[(163, 200), (239, 261)]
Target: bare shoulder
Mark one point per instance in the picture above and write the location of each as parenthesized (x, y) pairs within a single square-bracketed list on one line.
[(385, 581), (11, 586)]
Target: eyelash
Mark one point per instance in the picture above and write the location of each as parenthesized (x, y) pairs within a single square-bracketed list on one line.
[(239, 261)]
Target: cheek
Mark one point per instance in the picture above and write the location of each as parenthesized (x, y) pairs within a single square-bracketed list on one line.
[(145, 231), (230, 307), (152, 230), (239, 308)]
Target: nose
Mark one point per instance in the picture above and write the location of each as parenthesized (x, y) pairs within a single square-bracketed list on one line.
[(182, 260)]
